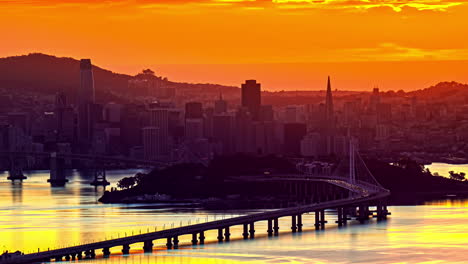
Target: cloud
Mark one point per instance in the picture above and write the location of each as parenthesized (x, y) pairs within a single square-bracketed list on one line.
[(347, 5), (395, 52)]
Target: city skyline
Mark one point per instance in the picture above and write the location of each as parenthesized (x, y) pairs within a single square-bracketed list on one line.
[(388, 44)]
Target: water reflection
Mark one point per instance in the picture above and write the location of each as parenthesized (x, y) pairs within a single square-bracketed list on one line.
[(33, 215)]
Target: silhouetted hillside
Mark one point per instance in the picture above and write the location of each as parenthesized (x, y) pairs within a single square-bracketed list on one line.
[(49, 74), (444, 91)]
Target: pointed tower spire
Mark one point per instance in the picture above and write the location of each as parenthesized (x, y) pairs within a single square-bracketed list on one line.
[(329, 101)]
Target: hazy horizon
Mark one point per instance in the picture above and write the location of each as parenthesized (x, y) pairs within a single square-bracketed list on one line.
[(285, 44), (346, 76)]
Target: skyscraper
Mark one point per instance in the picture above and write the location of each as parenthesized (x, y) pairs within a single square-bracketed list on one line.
[(251, 97), (329, 114), (220, 106), (85, 102), (329, 131), (193, 110)]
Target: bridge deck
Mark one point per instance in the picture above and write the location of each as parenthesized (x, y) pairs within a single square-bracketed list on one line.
[(197, 228)]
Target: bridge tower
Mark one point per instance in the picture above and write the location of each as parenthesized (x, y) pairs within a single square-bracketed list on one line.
[(57, 171), (352, 161), (99, 177), (16, 171)]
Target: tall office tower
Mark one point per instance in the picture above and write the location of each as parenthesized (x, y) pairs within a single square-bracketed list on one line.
[(244, 133), (329, 131), (223, 132), (85, 102), (194, 129), (293, 135), (151, 143), (65, 118), (220, 105), (251, 97), (374, 100), (159, 118), (193, 110)]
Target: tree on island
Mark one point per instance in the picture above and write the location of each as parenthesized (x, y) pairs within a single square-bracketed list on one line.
[(126, 183), (457, 176)]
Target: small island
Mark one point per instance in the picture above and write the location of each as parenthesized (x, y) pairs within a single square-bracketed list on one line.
[(211, 186)]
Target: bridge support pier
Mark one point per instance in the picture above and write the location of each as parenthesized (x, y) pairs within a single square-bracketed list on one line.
[(341, 218), (270, 227), (220, 235), (57, 172), (175, 240), (106, 252), (148, 246), (79, 255), (99, 177), (169, 243), (92, 253), (58, 258), (299, 223), (252, 230), (245, 234), (73, 256), (126, 249), (202, 237), (67, 257), (194, 239), (227, 234), (276, 227), (293, 224), (317, 220), (322, 219), (363, 213)]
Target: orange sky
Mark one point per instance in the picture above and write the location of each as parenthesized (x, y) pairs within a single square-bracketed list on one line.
[(285, 44)]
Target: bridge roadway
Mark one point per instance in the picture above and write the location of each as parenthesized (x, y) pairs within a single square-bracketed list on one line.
[(85, 157), (198, 229)]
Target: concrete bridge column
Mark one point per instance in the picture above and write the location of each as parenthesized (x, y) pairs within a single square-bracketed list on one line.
[(169, 243), (276, 227), (317, 220), (106, 252), (385, 211), (57, 172), (92, 253), (175, 240), (79, 255), (148, 246), (245, 234), (363, 213), (299, 222), (227, 234), (220, 235), (73, 257), (194, 239), (87, 254), (67, 257), (293, 224), (270, 227), (202, 237), (58, 258), (126, 249), (252, 230), (322, 219)]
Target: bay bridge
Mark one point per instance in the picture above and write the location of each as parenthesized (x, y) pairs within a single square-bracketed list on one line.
[(98, 163), (359, 192)]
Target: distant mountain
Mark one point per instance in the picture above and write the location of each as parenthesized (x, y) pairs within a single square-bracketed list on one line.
[(49, 74)]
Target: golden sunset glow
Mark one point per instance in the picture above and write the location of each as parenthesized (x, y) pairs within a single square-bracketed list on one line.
[(183, 39)]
